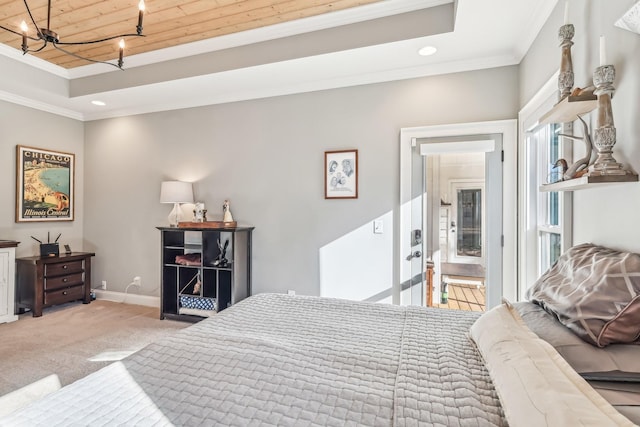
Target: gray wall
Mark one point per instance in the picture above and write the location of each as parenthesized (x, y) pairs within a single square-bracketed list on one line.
[(25, 126), (266, 156), (614, 208)]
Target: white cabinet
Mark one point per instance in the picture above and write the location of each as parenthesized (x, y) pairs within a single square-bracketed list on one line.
[(7, 280)]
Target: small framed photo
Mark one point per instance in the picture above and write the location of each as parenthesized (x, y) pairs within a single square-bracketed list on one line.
[(199, 212), (44, 185), (341, 174)]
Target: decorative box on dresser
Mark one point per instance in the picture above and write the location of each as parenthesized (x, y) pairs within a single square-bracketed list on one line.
[(47, 281), (7, 277)]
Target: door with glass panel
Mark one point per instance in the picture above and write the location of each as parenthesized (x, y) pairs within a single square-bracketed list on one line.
[(467, 225)]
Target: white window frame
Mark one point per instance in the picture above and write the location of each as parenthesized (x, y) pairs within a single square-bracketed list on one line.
[(532, 204), (542, 164)]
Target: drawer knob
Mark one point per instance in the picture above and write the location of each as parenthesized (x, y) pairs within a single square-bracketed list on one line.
[(64, 267), (65, 279), (65, 293)]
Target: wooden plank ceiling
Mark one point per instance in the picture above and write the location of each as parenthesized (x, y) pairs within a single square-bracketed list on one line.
[(166, 22)]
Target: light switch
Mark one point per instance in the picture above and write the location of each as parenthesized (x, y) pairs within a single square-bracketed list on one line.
[(377, 226)]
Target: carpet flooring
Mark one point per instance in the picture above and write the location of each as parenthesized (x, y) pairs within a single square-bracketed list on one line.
[(64, 339)]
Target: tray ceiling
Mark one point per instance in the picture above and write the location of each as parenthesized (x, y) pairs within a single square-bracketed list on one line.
[(167, 23), (312, 45)]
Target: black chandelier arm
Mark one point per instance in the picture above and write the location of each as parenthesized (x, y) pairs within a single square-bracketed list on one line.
[(11, 31), (82, 57), (17, 33), (36, 39), (33, 21), (100, 40), (44, 44)]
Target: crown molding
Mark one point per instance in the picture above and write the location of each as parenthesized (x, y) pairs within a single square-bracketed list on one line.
[(42, 106)]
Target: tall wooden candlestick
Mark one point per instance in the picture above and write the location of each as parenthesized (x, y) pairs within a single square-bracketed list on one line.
[(605, 132), (566, 77)]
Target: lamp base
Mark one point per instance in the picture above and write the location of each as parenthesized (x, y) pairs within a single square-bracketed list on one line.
[(175, 216)]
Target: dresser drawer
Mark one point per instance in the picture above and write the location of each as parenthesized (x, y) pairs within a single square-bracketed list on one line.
[(60, 268), (63, 281), (63, 295)]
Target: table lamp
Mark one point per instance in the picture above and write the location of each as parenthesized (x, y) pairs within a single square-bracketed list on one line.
[(176, 192)]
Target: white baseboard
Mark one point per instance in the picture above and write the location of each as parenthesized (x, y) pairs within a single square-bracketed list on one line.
[(128, 298)]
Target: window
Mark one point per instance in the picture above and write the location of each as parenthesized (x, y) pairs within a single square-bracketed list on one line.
[(549, 221), (545, 217)]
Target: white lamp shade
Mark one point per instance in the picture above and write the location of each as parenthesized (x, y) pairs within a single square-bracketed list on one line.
[(176, 192)]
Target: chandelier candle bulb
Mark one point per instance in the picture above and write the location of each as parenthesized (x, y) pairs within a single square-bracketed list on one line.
[(566, 12), (603, 51), (140, 15), (24, 28), (120, 62)]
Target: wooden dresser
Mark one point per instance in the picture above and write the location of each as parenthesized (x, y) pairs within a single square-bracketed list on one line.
[(46, 281)]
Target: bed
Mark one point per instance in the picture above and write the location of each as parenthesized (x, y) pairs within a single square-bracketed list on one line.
[(280, 360)]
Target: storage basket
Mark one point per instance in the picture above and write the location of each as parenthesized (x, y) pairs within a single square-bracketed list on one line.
[(198, 302)]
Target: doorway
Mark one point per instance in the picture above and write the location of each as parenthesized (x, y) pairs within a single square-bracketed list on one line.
[(462, 231), (418, 216), (457, 248)]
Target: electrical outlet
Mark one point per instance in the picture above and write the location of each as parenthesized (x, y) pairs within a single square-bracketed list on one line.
[(291, 292), (104, 285), (137, 281)]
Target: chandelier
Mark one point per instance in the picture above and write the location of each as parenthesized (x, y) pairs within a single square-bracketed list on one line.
[(47, 35)]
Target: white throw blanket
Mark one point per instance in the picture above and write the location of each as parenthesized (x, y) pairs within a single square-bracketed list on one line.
[(536, 385)]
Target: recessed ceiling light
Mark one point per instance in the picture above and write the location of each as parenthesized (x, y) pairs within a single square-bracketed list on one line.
[(100, 103), (427, 50)]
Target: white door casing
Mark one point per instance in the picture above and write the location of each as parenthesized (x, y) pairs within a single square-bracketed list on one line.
[(408, 137)]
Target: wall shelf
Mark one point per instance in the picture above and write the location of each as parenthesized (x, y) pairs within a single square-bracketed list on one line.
[(570, 108), (588, 182)]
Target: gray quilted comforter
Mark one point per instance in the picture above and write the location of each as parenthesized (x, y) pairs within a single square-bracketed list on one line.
[(279, 360)]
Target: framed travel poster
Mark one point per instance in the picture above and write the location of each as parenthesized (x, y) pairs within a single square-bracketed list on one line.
[(341, 174), (44, 185)]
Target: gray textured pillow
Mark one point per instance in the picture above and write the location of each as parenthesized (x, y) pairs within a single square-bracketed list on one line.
[(595, 292), (617, 362)]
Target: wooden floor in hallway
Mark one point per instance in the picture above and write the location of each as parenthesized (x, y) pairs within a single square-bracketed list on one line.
[(465, 297)]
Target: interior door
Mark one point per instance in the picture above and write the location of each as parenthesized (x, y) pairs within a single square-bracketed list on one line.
[(425, 207), (413, 292)]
